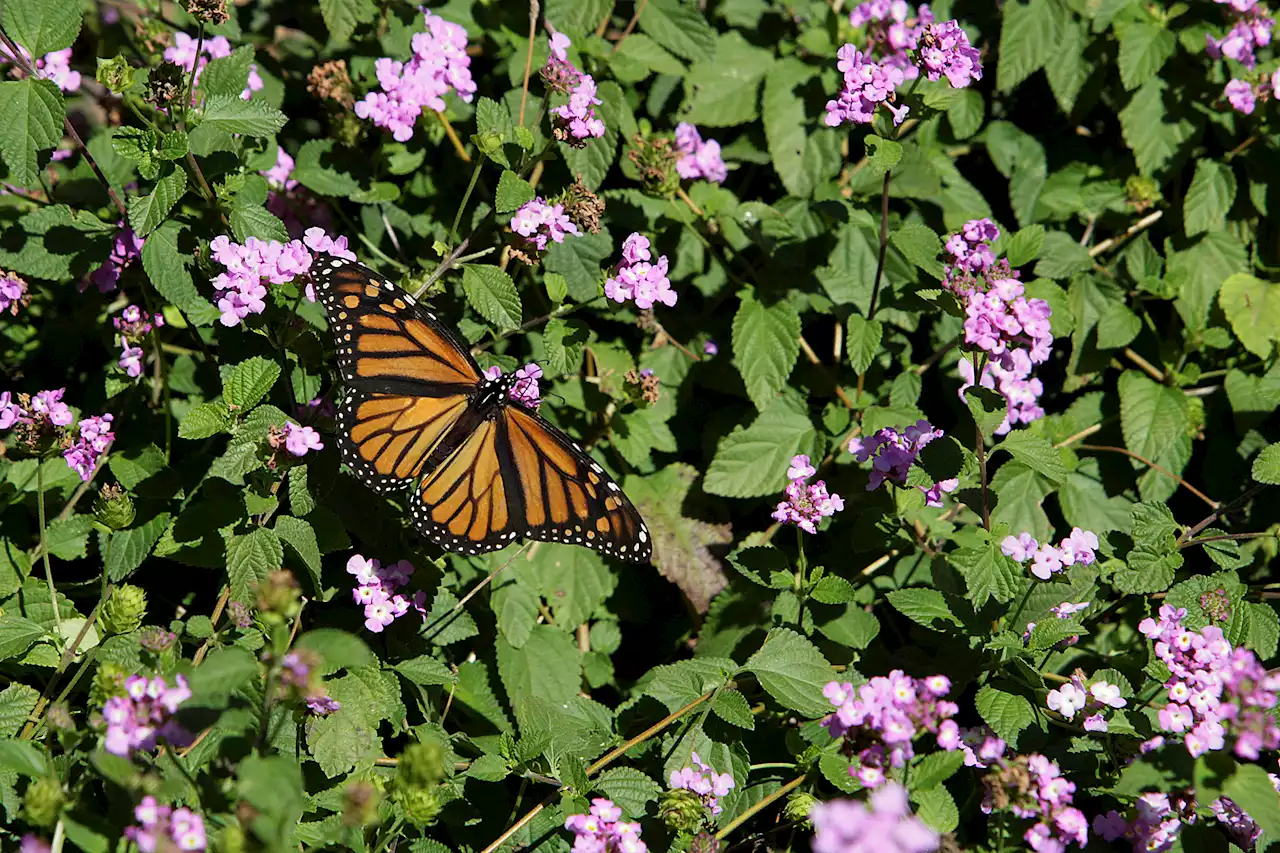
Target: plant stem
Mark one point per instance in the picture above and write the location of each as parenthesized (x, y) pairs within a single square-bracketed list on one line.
[(44, 549), (1218, 513), (191, 81), (1022, 603), (980, 448), (528, 58), (453, 137), (884, 244), (1152, 465), (757, 807)]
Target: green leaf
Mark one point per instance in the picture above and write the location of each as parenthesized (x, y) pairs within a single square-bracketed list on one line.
[(515, 605), (301, 537), (17, 635), (1061, 256), (753, 461), (548, 666), (573, 580), (1156, 425), (492, 293), (925, 607), (224, 672), (342, 16), (228, 75), (966, 113), (446, 623), (1117, 326), (1209, 198), (792, 671), (25, 758), (1007, 713), (250, 558), (640, 48), (578, 259), (337, 649), (1024, 247), (425, 670), (1266, 467), (732, 707), (882, 154), (936, 807), (249, 381), (722, 91), (1144, 48), (1152, 139), (513, 192), (1027, 41), (166, 266), (1036, 453), (318, 177), (935, 768), (129, 548), (833, 589), (557, 288), (31, 117), (251, 220), (920, 246), (570, 15), (862, 341), (766, 341), (1069, 70), (563, 341), (229, 114), (630, 789), (42, 26), (341, 741), (133, 466), (205, 420), (795, 154), (148, 211), (989, 408), (679, 27), (1251, 789), (17, 701), (987, 572), (1252, 307)]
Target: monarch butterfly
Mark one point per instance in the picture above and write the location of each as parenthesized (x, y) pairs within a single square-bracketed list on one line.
[(485, 468)]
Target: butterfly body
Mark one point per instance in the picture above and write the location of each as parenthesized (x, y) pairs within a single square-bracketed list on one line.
[(484, 468)]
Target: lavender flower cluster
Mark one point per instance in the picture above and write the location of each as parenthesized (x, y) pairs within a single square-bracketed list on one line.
[(1073, 697), (54, 67), (165, 828), (884, 824), (602, 830), (298, 675), (526, 391), (44, 415), (132, 325), (378, 591), (142, 716), (540, 223), (704, 781), (698, 158), (187, 53), (93, 438), (1033, 788), (295, 439), (890, 712), (892, 454), (1079, 547), (257, 263), (807, 503), (13, 292), (1152, 824), (575, 122), (439, 63), (637, 279), (1214, 691), (1251, 28)]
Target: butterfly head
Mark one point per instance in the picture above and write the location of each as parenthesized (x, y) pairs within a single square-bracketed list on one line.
[(493, 392)]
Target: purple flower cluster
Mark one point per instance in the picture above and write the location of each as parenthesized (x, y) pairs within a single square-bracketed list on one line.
[(540, 223), (126, 248), (635, 278), (526, 391), (94, 439), (576, 121), (298, 675), (13, 292), (32, 843), (165, 828), (183, 54), (439, 63), (1079, 547), (1035, 789), (290, 201), (698, 158), (892, 454), (945, 51), (867, 85), (980, 746), (1001, 321), (54, 67), (806, 504), (41, 412), (257, 263), (1020, 390), (887, 826), (891, 29), (602, 830), (141, 717), (296, 440), (132, 325), (1073, 696), (1151, 825), (889, 712), (377, 591), (1251, 28), (703, 781), (1214, 691), (1239, 825)]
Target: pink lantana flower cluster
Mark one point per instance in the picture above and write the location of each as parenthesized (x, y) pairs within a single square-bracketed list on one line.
[(526, 391), (144, 715), (1215, 692), (257, 263), (540, 224), (378, 591), (294, 439), (126, 247), (637, 279), (1079, 547), (299, 676), (887, 714), (703, 780), (602, 830), (807, 503), (164, 828), (183, 54), (42, 412), (1151, 825), (884, 824), (980, 746), (1074, 697), (54, 67), (290, 201), (698, 158), (893, 30), (94, 438), (1250, 29), (13, 292), (132, 325), (892, 454), (575, 122), (439, 63), (1047, 800)]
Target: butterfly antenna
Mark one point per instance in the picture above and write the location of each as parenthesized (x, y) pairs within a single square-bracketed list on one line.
[(427, 632)]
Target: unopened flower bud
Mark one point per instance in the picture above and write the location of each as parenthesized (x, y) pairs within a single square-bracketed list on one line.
[(43, 801), (278, 597), (114, 508), (157, 640), (360, 804), (655, 160), (420, 806), (489, 142), (115, 73), (124, 610), (108, 681), (239, 614), (1141, 192), (58, 717), (681, 809), (421, 766), (798, 806)]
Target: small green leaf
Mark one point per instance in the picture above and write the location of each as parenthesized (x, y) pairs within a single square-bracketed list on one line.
[(925, 607), (1144, 48), (229, 114), (792, 671), (425, 670), (1036, 453), (920, 246), (342, 16), (1209, 198), (301, 538), (753, 461), (987, 572), (249, 382), (1266, 468), (17, 635), (862, 341), (732, 707), (679, 27), (766, 341), (492, 293), (1007, 713), (513, 192), (250, 558), (148, 211)]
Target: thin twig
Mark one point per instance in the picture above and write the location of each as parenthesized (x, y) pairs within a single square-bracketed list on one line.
[(1147, 367), (884, 244), (1072, 439), (1145, 222), (684, 197), (213, 620), (980, 447), (937, 355), (475, 589), (757, 807), (65, 661), (453, 137), (445, 265), (1219, 512), (1222, 537), (813, 359), (631, 24), (1153, 466), (528, 58)]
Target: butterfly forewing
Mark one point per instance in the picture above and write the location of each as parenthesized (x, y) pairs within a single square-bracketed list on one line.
[(485, 475)]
